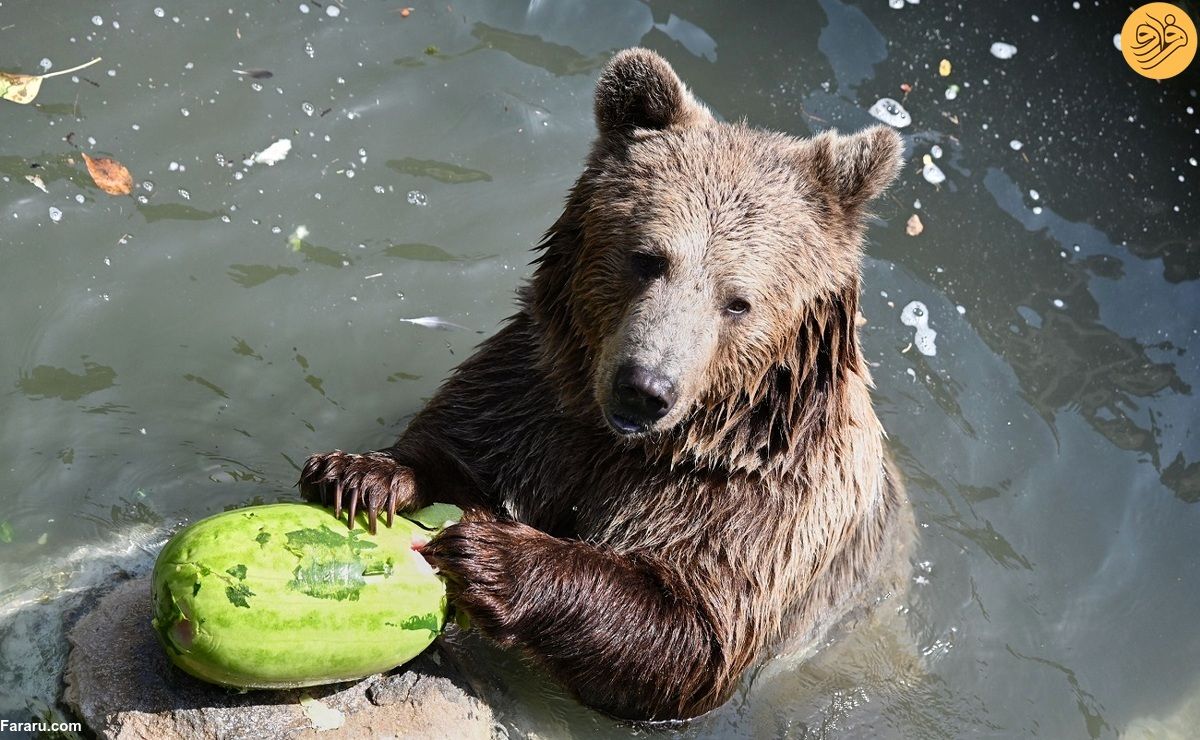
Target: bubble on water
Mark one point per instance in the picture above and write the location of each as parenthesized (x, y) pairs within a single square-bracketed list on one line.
[(136, 127), (116, 24), (1037, 210), (304, 7), (1034, 18), (46, 64), (417, 198), (1035, 195), (143, 199), (225, 218), (1192, 161), (276, 230), (916, 315), (80, 199), (184, 112), (148, 186), (1015, 145), (350, 174), (1003, 50), (55, 214), (220, 158), (890, 112), (936, 151), (952, 92), (184, 194), (308, 49), (97, 20), (238, 175), (317, 196), (159, 13), (917, 204), (308, 108), (895, 4), (173, 166), (379, 189), (255, 87), (332, 10), (1058, 303), (961, 309)]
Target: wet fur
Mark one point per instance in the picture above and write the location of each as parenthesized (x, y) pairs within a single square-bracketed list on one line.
[(648, 574)]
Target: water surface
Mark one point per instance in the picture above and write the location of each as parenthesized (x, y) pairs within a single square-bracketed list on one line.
[(167, 355)]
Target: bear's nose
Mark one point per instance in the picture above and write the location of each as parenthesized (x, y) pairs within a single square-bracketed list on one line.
[(642, 397)]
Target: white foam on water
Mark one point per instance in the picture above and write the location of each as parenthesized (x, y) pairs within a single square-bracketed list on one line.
[(916, 315), (1003, 50), (890, 112)]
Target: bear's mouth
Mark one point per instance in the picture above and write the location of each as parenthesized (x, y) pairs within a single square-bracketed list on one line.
[(625, 426)]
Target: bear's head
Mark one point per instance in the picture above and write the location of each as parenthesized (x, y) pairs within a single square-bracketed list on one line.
[(699, 292)]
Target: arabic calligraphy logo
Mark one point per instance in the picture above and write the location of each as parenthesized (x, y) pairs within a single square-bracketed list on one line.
[(1158, 40)]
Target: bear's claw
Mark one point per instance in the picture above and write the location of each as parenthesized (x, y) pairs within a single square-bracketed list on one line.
[(374, 482)]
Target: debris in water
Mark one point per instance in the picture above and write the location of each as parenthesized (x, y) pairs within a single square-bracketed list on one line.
[(255, 74), (952, 92), (944, 68), (297, 237), (914, 225), (109, 175), (936, 151), (916, 315), (272, 155), (1002, 50), (24, 88), (931, 172), (890, 112), (36, 181)]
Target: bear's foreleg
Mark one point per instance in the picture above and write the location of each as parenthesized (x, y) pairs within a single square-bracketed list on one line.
[(622, 631)]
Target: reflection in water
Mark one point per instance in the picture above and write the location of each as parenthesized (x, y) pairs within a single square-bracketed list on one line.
[(46, 381)]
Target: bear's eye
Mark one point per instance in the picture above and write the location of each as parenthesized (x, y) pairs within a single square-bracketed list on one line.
[(647, 266), (737, 307)]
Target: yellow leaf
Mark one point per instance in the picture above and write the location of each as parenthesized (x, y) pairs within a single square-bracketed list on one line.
[(109, 175), (19, 88), (944, 68), (24, 88)]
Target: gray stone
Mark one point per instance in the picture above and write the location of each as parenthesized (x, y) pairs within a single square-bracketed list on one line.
[(121, 684)]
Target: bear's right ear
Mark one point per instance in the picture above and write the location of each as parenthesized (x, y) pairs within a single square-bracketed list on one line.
[(638, 89)]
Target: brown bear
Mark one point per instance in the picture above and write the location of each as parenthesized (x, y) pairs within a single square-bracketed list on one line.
[(668, 456)]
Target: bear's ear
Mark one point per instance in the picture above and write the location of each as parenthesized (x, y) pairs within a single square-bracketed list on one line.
[(855, 169), (638, 89)]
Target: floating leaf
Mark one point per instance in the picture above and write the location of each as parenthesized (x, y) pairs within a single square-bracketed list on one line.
[(24, 88), (109, 175), (6, 532), (37, 182)]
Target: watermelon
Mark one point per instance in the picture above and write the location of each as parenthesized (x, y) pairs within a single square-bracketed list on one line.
[(286, 595)]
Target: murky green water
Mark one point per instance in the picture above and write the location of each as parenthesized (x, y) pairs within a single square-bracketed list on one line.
[(167, 355)]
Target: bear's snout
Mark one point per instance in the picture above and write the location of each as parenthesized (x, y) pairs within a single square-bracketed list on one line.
[(640, 397)]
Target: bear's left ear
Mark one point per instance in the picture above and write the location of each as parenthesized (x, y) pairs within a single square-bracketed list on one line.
[(639, 89), (856, 168)]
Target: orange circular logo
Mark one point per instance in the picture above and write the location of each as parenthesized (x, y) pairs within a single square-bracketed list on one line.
[(1158, 40)]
